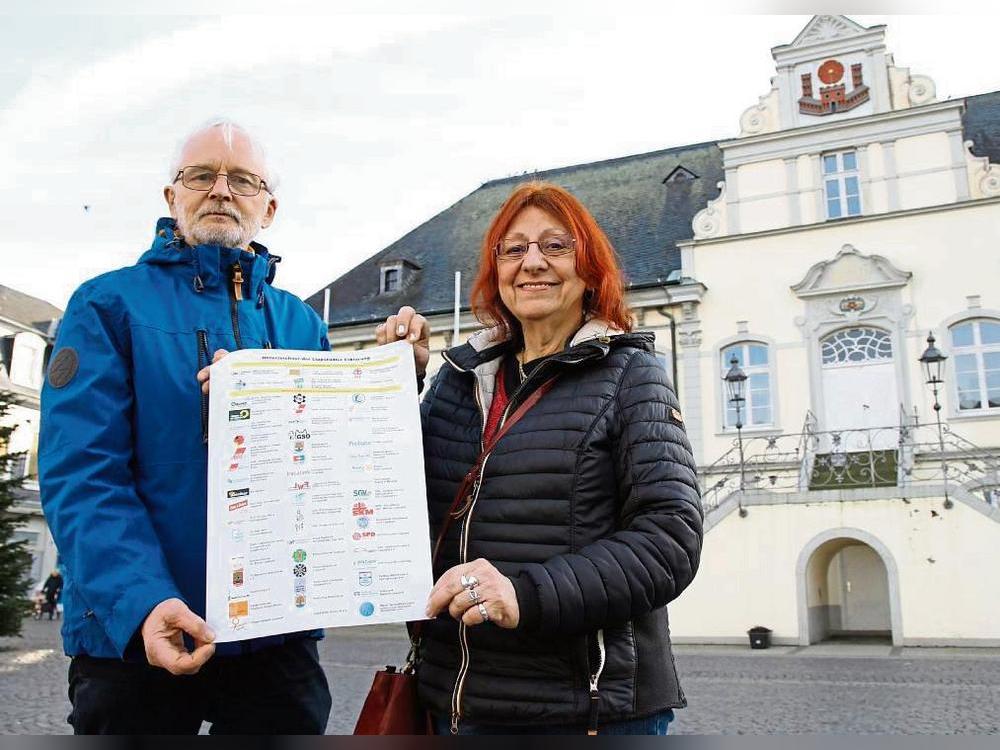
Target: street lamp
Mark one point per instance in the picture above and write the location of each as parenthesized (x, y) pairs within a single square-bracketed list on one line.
[(736, 383), (933, 361)]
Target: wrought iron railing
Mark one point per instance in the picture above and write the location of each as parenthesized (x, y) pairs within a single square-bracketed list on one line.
[(907, 454)]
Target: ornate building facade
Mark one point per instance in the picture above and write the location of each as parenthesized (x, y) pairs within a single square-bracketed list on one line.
[(852, 215)]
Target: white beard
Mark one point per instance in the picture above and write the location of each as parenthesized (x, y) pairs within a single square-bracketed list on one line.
[(226, 235)]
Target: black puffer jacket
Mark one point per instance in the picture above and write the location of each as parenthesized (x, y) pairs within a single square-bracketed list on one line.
[(590, 505)]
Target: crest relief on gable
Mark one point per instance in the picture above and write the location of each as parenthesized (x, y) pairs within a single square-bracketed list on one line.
[(850, 271)]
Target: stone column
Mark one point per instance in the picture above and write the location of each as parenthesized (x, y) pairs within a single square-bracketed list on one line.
[(689, 342)]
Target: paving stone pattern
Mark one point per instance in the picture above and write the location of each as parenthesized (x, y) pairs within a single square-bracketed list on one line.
[(823, 689)]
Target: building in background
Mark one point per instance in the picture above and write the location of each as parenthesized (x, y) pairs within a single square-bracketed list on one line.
[(853, 214), (27, 328)]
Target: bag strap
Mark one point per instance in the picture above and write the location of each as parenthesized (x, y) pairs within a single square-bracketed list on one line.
[(463, 494), (474, 473)]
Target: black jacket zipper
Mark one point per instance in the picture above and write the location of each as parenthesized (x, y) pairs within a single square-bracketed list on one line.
[(456, 696), (204, 360), (235, 295)]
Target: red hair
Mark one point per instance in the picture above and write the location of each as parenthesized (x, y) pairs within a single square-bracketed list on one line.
[(596, 263)]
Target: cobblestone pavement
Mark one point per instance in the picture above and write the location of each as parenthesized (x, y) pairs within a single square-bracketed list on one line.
[(827, 688)]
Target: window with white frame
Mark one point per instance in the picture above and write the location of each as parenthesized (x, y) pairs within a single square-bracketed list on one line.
[(842, 184), (976, 350), (26, 360), (753, 358)]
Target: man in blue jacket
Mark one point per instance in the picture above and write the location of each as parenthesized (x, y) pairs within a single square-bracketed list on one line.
[(123, 463)]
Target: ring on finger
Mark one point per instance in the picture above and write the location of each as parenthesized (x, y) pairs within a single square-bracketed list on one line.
[(473, 595), (483, 613), (469, 582)]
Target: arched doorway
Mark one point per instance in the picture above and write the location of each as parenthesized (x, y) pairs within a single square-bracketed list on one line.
[(848, 585)]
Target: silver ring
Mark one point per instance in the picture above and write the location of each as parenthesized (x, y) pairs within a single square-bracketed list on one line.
[(469, 582), (473, 595), (483, 613)]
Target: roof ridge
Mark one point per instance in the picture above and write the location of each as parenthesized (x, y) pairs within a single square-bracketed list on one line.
[(599, 163)]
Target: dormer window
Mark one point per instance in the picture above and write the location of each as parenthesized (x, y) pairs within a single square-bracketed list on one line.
[(391, 275), (842, 184), (390, 280), (680, 174)]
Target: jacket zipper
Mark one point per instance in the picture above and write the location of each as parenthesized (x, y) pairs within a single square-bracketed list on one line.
[(463, 548), (235, 295), (595, 676), (203, 361), (463, 669)]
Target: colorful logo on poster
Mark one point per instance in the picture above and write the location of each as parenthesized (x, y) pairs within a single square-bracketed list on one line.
[(299, 555), (365, 578), (367, 609), (299, 570), (363, 522), (238, 415)]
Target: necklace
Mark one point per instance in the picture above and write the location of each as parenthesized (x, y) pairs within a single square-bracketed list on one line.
[(520, 368)]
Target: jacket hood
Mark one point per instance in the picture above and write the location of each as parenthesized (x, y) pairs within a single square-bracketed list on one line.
[(210, 264), (482, 355)]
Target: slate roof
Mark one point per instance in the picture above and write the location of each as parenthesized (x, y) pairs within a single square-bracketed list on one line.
[(643, 217), (27, 310), (981, 124)]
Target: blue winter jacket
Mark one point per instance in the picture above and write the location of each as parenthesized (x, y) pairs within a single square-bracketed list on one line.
[(123, 454)]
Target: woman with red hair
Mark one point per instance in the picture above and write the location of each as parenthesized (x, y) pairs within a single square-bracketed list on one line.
[(559, 470)]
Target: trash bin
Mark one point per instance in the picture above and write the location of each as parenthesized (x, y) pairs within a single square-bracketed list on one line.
[(760, 637)]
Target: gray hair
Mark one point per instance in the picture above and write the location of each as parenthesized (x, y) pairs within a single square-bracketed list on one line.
[(229, 127)]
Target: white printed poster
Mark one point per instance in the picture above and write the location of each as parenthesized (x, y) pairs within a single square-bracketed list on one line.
[(317, 511)]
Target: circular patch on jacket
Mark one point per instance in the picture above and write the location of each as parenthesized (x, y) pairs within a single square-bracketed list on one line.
[(63, 367)]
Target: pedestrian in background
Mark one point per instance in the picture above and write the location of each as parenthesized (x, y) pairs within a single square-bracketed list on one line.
[(52, 590)]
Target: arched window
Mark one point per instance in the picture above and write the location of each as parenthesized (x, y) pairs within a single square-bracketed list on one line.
[(753, 358), (976, 350), (850, 346)]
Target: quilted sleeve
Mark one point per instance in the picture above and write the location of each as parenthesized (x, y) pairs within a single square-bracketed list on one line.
[(654, 554)]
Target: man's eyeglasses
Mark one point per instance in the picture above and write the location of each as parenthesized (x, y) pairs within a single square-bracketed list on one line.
[(246, 184), (551, 246)]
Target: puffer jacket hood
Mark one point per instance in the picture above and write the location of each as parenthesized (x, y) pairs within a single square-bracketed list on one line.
[(122, 459), (210, 264), (590, 505)]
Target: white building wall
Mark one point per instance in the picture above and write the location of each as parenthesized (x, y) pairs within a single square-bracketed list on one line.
[(950, 252), (748, 574)]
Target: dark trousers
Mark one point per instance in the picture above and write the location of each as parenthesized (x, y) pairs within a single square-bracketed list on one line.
[(277, 690)]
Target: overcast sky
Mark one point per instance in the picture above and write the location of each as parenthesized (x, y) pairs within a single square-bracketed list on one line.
[(375, 121)]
